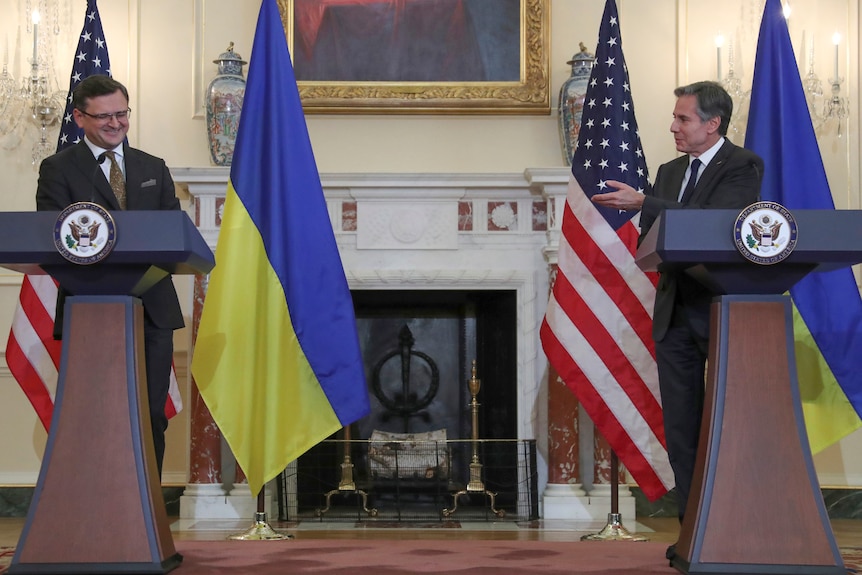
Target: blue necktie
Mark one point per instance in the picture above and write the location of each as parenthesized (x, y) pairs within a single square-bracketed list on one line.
[(692, 181)]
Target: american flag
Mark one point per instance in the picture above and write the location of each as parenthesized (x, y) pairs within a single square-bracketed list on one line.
[(32, 353), (597, 328), (91, 58)]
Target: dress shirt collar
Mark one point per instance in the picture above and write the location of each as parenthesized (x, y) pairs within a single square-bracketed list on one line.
[(708, 155), (97, 151)]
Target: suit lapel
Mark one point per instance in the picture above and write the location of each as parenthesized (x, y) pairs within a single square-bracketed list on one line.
[(713, 168), (676, 172), (102, 193), (133, 176)]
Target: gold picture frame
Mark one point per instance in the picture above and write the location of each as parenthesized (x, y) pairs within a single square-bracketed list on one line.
[(529, 93)]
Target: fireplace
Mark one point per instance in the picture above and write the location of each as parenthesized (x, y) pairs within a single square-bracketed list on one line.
[(461, 260)]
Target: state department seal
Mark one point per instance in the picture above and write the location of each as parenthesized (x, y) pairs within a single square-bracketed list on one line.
[(84, 233), (765, 233)]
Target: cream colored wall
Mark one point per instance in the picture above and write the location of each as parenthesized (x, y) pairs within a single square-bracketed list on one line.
[(163, 51)]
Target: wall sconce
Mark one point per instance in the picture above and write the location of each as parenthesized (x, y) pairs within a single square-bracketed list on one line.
[(733, 84), (813, 87), (38, 97), (719, 42), (45, 103), (837, 107), (834, 107), (11, 106)]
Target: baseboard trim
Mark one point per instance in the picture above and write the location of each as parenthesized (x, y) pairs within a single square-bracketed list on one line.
[(841, 503)]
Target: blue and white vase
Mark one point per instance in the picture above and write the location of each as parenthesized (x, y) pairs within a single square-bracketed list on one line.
[(571, 104), (224, 104)]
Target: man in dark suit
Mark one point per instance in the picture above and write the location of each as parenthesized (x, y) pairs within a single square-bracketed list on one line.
[(75, 175), (726, 176)]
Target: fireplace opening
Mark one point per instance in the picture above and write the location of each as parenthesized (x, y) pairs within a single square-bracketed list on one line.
[(447, 330), (419, 348)]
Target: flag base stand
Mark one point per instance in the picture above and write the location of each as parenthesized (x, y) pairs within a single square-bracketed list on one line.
[(613, 531), (260, 531)]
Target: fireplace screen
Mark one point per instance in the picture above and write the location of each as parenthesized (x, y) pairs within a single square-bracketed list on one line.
[(415, 451), (418, 482)]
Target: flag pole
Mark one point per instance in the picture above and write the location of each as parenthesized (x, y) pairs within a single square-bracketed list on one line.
[(260, 530), (614, 530)]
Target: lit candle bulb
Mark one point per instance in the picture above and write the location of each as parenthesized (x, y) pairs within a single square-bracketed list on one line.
[(836, 39), (36, 19), (719, 42)]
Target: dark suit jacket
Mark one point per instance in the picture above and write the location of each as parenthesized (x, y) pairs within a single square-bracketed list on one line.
[(731, 180), (74, 176)]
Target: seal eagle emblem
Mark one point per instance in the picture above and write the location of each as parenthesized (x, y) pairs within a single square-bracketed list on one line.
[(85, 233), (765, 233)]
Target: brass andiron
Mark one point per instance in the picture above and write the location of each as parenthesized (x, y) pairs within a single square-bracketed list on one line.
[(475, 484), (347, 484)]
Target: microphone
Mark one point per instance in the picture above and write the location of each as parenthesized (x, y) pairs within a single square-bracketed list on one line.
[(100, 159)]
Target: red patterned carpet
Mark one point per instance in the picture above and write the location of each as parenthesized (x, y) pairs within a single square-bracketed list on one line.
[(348, 557)]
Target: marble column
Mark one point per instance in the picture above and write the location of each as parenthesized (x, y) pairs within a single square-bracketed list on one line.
[(569, 428), (205, 441), (563, 436), (564, 497), (205, 495)]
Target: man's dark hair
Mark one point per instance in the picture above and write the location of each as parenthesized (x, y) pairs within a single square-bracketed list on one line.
[(93, 87), (712, 101)]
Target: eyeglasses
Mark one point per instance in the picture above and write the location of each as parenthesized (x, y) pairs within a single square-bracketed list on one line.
[(104, 118)]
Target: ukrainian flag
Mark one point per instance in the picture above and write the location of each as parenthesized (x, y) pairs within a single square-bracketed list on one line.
[(277, 356), (827, 306)]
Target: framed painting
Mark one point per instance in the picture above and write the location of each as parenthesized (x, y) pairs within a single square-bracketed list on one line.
[(420, 56)]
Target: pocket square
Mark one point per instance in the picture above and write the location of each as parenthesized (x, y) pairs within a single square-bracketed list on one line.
[(149, 183)]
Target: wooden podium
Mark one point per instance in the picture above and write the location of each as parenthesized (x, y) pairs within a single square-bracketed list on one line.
[(98, 505), (755, 505)]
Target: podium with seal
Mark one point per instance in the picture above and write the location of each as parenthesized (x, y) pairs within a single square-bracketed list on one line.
[(98, 505), (755, 505)]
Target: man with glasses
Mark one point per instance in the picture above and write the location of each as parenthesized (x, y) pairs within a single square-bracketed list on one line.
[(103, 168)]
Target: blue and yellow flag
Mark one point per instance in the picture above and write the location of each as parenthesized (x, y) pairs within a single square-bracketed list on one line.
[(277, 356), (827, 306)]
